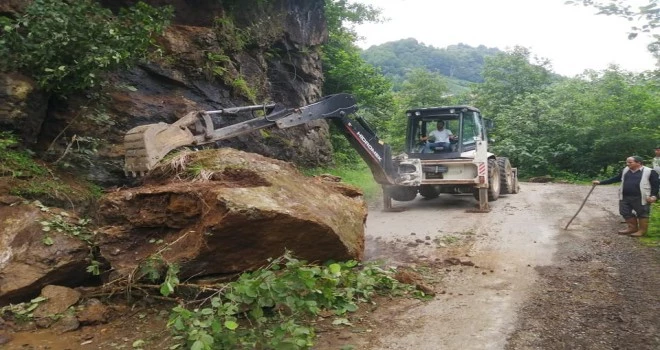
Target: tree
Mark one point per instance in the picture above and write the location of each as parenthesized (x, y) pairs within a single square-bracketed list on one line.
[(67, 45), (510, 76), (648, 15), (423, 89), (346, 71), (460, 61)]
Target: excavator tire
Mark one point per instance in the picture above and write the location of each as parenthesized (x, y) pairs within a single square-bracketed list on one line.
[(494, 183), (506, 176), (402, 193), (429, 191)]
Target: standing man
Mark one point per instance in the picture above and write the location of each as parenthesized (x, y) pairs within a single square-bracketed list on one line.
[(639, 189), (441, 138), (656, 160)]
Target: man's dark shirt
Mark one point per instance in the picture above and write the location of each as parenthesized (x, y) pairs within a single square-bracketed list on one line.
[(631, 185)]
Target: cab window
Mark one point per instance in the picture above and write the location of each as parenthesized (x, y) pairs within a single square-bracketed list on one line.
[(470, 129)]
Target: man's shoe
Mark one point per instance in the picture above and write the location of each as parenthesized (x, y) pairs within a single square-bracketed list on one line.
[(632, 227), (643, 227)]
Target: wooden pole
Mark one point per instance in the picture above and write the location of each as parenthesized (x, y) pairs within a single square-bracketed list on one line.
[(583, 202)]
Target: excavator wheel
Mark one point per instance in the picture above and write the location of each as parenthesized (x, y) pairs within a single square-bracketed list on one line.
[(402, 193), (506, 176), (494, 183), (429, 191)]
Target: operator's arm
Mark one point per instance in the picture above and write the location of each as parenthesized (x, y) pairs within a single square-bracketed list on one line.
[(432, 135), (611, 180)]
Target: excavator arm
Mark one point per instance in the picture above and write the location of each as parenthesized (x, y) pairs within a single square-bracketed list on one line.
[(146, 145)]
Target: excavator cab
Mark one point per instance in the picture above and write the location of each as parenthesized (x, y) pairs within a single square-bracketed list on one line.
[(464, 122)]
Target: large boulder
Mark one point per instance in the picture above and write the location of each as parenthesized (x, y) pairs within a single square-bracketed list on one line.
[(234, 212), (31, 258)]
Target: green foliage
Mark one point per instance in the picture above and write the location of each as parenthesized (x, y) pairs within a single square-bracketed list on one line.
[(31, 179), (345, 71), (62, 222), (22, 312), (338, 13), (574, 128), (652, 237), (14, 160), (461, 62), (241, 86), (37, 187), (231, 38), (272, 308), (357, 175), (94, 268), (67, 45), (171, 280), (423, 89), (216, 63), (510, 77)]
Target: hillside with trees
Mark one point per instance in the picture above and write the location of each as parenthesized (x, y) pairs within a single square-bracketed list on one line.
[(545, 123), (461, 64)]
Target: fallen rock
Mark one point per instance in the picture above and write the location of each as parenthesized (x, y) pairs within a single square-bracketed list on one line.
[(238, 211), (93, 312), (413, 278), (466, 261), (541, 179), (459, 261), (5, 338), (65, 324), (58, 300), (27, 264)]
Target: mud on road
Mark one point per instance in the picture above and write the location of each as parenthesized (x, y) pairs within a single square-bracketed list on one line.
[(533, 285)]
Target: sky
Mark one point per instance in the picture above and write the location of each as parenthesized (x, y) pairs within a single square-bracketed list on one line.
[(574, 38)]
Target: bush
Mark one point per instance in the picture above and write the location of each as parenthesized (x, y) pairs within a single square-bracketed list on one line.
[(14, 161), (274, 307), (66, 45)]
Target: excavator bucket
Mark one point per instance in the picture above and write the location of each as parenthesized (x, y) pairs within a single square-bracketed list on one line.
[(146, 145)]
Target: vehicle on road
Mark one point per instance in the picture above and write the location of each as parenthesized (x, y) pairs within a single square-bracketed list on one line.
[(465, 166)]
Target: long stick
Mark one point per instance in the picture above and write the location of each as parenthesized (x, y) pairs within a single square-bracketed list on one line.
[(584, 201)]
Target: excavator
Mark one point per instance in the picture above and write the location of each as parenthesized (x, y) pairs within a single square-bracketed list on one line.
[(463, 166)]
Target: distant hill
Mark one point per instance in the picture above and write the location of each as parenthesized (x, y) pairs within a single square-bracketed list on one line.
[(461, 63)]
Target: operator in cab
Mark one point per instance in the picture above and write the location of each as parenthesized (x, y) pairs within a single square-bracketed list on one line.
[(441, 139)]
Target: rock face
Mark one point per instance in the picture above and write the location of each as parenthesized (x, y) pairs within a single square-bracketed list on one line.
[(206, 66), (23, 107), (27, 264), (245, 209), (11, 8)]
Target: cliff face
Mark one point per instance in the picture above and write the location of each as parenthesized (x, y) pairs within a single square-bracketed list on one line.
[(216, 54)]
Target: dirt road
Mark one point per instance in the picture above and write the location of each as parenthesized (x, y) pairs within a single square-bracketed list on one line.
[(533, 284)]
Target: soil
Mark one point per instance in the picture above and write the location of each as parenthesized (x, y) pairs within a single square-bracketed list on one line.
[(512, 278)]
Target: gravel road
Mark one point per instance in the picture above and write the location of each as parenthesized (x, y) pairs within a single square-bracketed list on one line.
[(523, 282)]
